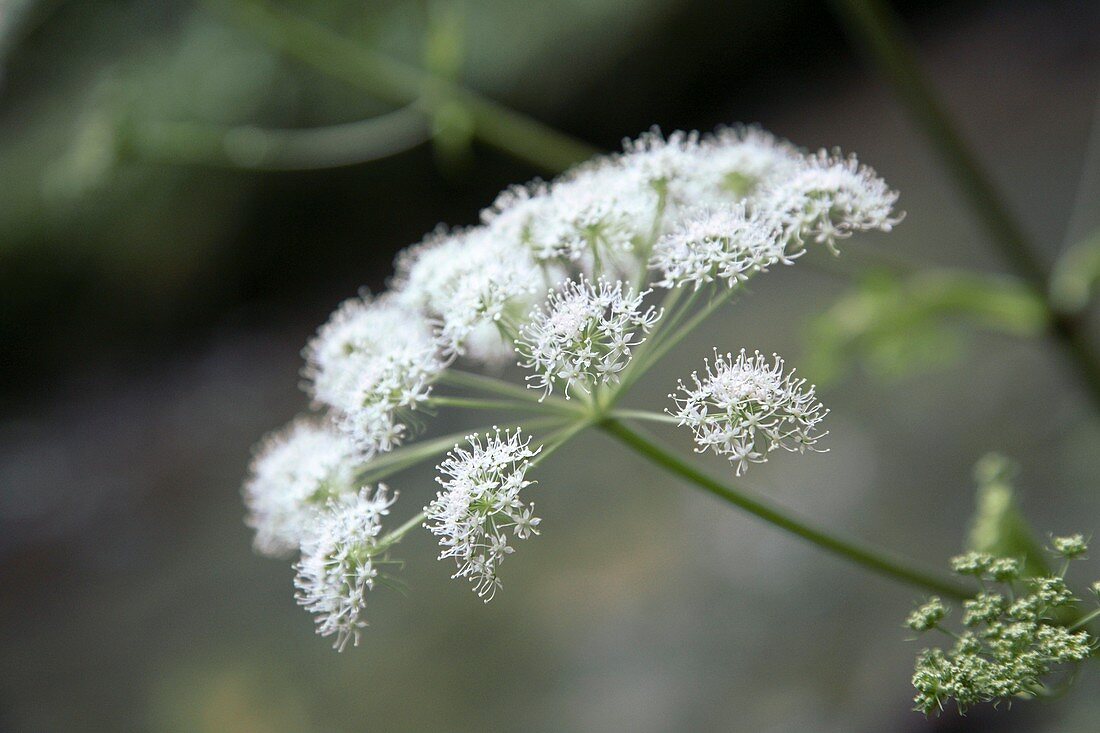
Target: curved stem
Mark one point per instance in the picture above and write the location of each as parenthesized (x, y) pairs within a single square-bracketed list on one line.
[(877, 28), (872, 558), (401, 84)]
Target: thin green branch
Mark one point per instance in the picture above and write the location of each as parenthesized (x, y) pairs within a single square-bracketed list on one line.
[(474, 403), (875, 27), (555, 440), (671, 337), (644, 415), (1084, 620), (492, 385), (402, 84), (871, 558), (412, 454)]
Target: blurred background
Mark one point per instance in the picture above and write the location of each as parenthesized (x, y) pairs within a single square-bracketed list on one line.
[(157, 288)]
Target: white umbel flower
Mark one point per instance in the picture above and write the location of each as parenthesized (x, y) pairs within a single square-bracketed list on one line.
[(828, 198), (598, 215), (475, 286), (295, 472), (745, 407), (736, 162), (479, 504), (373, 363), (585, 335), (338, 564), (728, 244)]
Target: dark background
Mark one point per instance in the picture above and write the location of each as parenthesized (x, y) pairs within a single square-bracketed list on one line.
[(152, 317)]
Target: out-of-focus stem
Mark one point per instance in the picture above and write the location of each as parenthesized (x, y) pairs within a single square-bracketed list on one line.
[(402, 84), (878, 30)]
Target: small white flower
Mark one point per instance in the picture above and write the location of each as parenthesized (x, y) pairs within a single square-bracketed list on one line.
[(664, 164), (736, 162), (373, 363), (338, 564), (744, 407), (828, 198), (479, 502), (513, 215), (585, 335), (475, 285), (294, 473), (599, 213), (727, 244)]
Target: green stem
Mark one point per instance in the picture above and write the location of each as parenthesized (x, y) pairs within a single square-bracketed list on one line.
[(410, 455), (1084, 620), (491, 385), (554, 441), (398, 534), (482, 404), (402, 84), (663, 345), (872, 558), (644, 415), (876, 27)]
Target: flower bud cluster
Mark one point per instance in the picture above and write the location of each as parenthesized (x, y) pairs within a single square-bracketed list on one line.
[(294, 474), (1012, 639)]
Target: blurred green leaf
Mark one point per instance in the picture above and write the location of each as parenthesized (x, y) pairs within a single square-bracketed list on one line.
[(1076, 274), (899, 325), (998, 526)]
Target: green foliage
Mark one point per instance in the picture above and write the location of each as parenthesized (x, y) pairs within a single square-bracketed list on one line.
[(998, 527), (899, 325)]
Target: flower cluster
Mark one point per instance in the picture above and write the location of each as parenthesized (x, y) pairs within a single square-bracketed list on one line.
[(585, 335), (480, 502), (372, 364), (830, 197), (294, 474), (339, 563), (1013, 635), (729, 244), (745, 407), (473, 286), (557, 272)]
